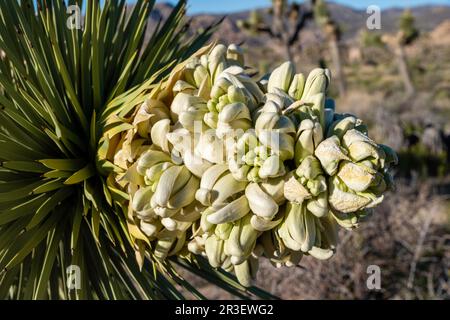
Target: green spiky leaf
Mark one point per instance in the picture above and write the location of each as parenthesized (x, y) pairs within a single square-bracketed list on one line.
[(55, 210)]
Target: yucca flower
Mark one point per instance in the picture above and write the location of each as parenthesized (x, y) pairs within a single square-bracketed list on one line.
[(213, 96), (170, 182), (132, 157), (329, 186), (272, 198), (284, 190), (260, 153), (358, 169)]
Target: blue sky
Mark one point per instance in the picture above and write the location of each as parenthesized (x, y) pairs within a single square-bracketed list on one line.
[(225, 6)]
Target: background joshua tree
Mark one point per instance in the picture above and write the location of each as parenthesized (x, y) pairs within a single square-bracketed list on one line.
[(332, 32), (287, 22), (406, 35), (370, 39)]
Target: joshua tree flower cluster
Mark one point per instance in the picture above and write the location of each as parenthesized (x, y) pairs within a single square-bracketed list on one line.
[(220, 164)]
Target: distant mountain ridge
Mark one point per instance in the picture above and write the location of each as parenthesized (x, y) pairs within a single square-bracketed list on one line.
[(351, 20)]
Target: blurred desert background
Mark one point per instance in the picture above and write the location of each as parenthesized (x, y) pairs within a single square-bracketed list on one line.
[(397, 77)]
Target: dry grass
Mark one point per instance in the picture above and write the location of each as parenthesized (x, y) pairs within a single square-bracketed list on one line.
[(407, 237)]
